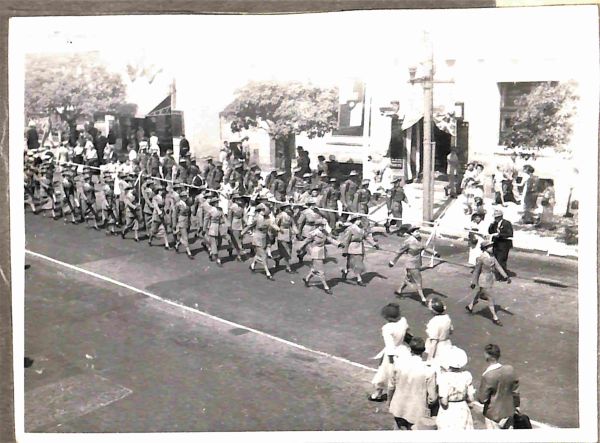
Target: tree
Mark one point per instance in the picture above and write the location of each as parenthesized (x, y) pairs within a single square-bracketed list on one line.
[(287, 108), (543, 119), (70, 86)]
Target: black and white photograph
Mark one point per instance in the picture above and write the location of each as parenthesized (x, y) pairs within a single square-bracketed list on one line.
[(365, 221)]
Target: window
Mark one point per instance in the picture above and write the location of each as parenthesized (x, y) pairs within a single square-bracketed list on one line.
[(509, 93), (351, 114)]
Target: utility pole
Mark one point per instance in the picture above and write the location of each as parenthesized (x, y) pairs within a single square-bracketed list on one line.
[(428, 156)]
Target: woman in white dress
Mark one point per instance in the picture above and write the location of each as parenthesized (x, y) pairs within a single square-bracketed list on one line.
[(474, 237), (395, 333), (438, 330), (455, 391)]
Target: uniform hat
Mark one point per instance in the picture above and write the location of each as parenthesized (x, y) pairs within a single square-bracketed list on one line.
[(311, 201), (169, 151), (307, 175), (332, 179), (498, 213), (437, 306), (323, 174), (353, 173), (391, 312), (366, 181), (297, 169), (279, 173), (486, 244), (261, 207), (454, 357), (183, 159)]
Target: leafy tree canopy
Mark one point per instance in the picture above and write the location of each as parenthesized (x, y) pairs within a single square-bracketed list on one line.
[(286, 107), (543, 119), (55, 82)]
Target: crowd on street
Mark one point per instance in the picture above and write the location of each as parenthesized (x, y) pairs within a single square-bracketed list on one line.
[(221, 203)]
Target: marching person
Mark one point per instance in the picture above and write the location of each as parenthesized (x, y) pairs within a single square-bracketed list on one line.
[(277, 186), (68, 185), (131, 216), (413, 246), (214, 224), (259, 224), (439, 329), (395, 334), (353, 240), (108, 208), (183, 210), (498, 390), (287, 228), (147, 195), (362, 197), (315, 242), (348, 189), (330, 199), (455, 391), (502, 232), (292, 186), (235, 218), (483, 280), (88, 199), (395, 199), (158, 216), (306, 223)]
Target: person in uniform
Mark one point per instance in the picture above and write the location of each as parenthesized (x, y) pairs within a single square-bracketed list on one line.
[(413, 246), (183, 211), (109, 206), (215, 176), (292, 185), (68, 186), (353, 240), (153, 164), (329, 200), (362, 197), (306, 189), (347, 191), (323, 182), (159, 227), (235, 218), (315, 242), (501, 231), (215, 223), (287, 229), (131, 215), (395, 200), (200, 204), (259, 224), (167, 165), (182, 170), (438, 330), (306, 223), (395, 335), (88, 199), (277, 187), (147, 195), (483, 280), (46, 180)]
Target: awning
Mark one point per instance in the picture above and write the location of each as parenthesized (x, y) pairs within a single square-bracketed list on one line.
[(163, 108)]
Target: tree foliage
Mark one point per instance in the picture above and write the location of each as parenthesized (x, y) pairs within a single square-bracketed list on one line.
[(543, 119), (287, 108), (54, 82)]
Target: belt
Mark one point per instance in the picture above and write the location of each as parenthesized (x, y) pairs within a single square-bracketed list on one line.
[(456, 401)]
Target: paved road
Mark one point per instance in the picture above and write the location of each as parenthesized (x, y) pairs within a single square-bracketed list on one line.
[(540, 331)]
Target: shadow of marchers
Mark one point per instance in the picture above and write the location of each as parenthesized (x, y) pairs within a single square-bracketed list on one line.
[(368, 276)]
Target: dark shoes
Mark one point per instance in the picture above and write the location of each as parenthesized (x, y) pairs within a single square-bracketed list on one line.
[(469, 309), (497, 322), (379, 398)]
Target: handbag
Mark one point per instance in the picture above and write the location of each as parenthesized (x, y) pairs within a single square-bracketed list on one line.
[(518, 421)]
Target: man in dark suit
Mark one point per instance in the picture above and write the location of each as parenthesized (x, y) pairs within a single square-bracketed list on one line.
[(184, 146), (498, 390), (502, 232)]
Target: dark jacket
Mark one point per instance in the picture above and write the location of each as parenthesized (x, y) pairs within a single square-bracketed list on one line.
[(505, 233), (499, 393)]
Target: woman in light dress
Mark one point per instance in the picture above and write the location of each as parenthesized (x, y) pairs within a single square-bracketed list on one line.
[(475, 237), (395, 335), (455, 391), (438, 330)]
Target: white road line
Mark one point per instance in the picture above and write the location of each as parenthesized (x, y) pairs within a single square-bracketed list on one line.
[(536, 424)]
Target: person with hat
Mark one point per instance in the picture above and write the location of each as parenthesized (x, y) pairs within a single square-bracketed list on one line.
[(396, 197), (474, 238), (88, 199), (215, 176), (171, 197), (501, 231), (68, 186), (46, 181), (292, 188), (455, 391), (348, 189), (316, 242), (235, 218), (131, 216), (469, 174), (214, 225), (108, 207), (306, 189), (199, 208), (438, 330), (183, 210), (323, 182), (483, 280), (168, 163), (259, 225), (353, 240), (287, 228), (412, 389), (159, 227), (362, 197), (306, 222), (252, 181), (207, 168), (196, 181), (147, 210), (395, 337), (330, 197), (413, 246), (182, 172), (277, 187), (530, 193)]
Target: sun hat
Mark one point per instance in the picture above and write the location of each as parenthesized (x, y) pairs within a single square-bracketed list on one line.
[(454, 357)]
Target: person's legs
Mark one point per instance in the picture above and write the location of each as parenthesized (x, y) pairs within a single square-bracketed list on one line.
[(474, 301), (402, 424)]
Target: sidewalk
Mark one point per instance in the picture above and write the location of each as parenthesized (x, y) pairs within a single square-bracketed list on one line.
[(453, 221)]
